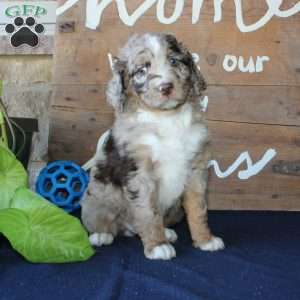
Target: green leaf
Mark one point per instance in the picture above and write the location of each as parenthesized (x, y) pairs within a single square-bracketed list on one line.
[(42, 232), (37, 229), (12, 176)]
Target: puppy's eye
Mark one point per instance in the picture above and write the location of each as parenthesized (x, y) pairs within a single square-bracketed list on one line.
[(141, 72), (173, 61)]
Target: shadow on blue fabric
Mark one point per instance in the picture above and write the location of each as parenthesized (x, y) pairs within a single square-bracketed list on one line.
[(261, 262)]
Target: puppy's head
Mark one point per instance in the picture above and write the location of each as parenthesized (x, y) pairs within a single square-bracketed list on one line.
[(154, 70)]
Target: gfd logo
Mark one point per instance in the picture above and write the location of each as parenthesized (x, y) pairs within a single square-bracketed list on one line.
[(25, 30)]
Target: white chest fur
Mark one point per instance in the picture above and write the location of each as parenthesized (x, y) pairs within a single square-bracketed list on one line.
[(174, 142)]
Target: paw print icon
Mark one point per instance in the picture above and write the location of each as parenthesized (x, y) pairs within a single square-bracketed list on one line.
[(24, 32)]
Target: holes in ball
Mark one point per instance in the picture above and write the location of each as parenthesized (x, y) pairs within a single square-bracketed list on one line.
[(71, 169), (76, 185), (76, 202), (61, 195), (48, 185), (53, 169), (61, 178)]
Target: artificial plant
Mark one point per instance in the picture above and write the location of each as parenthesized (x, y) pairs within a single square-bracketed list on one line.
[(37, 229)]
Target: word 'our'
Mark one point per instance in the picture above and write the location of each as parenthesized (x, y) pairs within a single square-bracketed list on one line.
[(232, 63)]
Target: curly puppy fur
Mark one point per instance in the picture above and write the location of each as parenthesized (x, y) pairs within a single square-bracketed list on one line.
[(154, 163)]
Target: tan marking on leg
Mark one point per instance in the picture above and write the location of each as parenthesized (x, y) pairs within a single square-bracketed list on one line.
[(196, 212)]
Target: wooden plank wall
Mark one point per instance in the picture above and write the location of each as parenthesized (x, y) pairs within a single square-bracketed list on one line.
[(247, 112)]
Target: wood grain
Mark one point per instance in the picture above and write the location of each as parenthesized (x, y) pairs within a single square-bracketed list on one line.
[(255, 104), (46, 46), (246, 112), (266, 190), (76, 138), (74, 133), (251, 9), (250, 104), (278, 40)]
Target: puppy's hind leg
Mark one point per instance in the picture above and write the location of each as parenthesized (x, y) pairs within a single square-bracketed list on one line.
[(99, 213)]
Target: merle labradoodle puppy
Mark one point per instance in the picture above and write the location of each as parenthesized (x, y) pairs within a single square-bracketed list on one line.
[(153, 166)]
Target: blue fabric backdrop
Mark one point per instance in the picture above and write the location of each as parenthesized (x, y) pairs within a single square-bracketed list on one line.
[(261, 261)]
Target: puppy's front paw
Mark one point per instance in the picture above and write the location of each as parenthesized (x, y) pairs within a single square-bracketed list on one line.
[(214, 244), (163, 251), (100, 239), (171, 235)]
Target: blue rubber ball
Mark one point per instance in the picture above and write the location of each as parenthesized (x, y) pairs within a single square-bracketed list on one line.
[(62, 183)]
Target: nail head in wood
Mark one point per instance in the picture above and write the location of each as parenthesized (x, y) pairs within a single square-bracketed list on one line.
[(66, 27)]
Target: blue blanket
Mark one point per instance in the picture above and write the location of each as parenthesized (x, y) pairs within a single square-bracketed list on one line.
[(261, 261)]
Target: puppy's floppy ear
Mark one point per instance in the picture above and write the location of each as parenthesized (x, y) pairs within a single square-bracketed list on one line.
[(116, 88), (197, 78)]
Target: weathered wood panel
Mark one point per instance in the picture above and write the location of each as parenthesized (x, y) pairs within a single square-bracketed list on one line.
[(75, 133), (279, 40), (253, 113), (73, 124), (250, 104), (267, 190), (46, 45)]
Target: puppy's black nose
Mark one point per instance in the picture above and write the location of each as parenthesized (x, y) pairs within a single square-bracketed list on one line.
[(166, 88)]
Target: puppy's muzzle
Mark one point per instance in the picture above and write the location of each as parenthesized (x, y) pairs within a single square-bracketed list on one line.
[(166, 88)]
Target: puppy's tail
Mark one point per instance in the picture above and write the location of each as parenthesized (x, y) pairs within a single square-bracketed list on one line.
[(99, 151)]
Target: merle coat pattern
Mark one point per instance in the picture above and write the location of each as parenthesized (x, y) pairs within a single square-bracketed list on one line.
[(153, 167)]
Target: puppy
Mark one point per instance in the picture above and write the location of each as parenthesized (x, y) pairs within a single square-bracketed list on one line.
[(153, 166)]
